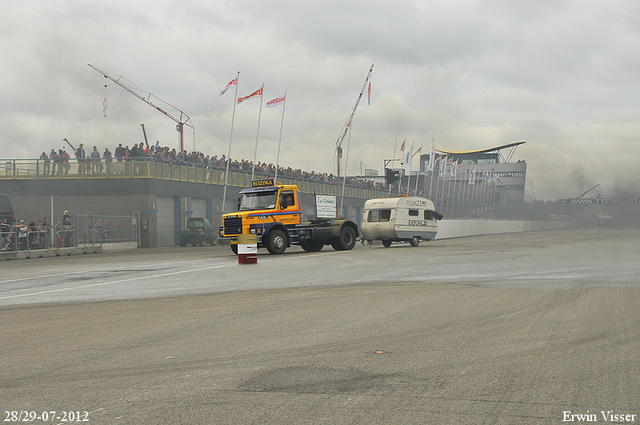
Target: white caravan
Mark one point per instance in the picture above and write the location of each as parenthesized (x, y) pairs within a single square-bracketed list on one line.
[(405, 218)]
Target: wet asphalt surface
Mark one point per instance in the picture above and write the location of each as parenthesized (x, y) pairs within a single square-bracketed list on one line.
[(499, 329)]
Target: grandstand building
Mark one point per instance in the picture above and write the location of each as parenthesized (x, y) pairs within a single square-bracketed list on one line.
[(492, 166)]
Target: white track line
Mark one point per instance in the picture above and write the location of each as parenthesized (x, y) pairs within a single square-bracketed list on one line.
[(50, 291)]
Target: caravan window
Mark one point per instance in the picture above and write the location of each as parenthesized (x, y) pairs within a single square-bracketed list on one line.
[(428, 215), (379, 215), (414, 213)]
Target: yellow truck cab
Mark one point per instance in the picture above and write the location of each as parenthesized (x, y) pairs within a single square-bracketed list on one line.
[(273, 213)]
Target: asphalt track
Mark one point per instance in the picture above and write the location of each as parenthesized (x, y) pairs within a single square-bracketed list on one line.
[(529, 328)]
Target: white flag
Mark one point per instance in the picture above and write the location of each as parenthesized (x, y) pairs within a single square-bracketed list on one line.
[(432, 156), (254, 94), (472, 177), (408, 156), (275, 102), (443, 165), (232, 83)]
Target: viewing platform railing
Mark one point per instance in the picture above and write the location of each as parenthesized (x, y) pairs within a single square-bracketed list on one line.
[(38, 169)]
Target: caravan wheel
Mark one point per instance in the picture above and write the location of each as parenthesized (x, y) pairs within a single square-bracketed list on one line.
[(415, 241)]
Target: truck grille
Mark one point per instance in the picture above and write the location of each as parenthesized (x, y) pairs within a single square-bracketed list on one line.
[(232, 226)]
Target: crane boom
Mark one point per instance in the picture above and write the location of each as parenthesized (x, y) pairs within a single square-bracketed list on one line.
[(348, 123), (181, 121), (580, 196)]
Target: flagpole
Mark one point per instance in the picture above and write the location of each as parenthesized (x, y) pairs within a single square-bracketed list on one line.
[(233, 116), (255, 150), (431, 171), (275, 178), (449, 201), (409, 179), (410, 164), (418, 175), (437, 193), (393, 158), (401, 167)]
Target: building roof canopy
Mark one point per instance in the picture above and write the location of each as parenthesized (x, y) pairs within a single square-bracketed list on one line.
[(488, 150)]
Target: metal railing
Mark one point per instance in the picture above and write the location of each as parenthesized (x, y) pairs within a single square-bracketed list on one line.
[(87, 230), (455, 200), (14, 239), (127, 168), (101, 229)]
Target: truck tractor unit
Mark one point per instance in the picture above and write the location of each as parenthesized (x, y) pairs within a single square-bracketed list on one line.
[(273, 212)]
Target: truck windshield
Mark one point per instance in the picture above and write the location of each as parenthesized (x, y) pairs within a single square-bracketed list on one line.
[(258, 200)]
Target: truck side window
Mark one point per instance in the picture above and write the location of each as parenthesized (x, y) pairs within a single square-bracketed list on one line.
[(286, 199)]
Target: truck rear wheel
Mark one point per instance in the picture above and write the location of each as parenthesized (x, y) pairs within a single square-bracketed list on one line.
[(346, 240), (234, 248), (313, 246), (276, 241), (183, 242)]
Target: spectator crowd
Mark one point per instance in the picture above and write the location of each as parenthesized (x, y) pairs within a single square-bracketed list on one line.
[(94, 163)]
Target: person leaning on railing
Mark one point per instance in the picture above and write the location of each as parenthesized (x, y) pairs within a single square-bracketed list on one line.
[(55, 160), (45, 163), (107, 159), (68, 229), (80, 155), (23, 235)]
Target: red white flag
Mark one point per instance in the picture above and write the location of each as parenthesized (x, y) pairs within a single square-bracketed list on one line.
[(275, 102), (369, 94), (232, 83), (254, 94), (402, 147)]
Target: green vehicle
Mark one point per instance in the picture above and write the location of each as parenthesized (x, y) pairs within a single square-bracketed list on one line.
[(199, 232)]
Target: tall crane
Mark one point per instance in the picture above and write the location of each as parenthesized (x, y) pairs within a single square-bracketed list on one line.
[(146, 97), (347, 125)]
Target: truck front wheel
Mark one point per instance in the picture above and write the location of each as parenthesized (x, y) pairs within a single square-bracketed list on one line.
[(346, 240), (276, 241)]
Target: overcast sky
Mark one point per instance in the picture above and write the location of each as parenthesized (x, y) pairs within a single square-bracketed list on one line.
[(562, 75)]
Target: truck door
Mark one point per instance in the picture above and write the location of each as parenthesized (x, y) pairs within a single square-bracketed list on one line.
[(287, 199)]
